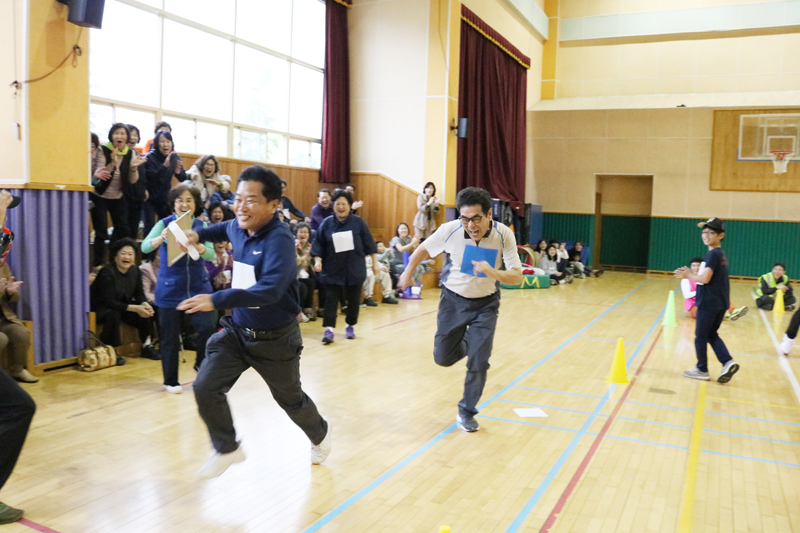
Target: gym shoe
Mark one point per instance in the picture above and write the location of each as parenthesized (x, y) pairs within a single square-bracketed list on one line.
[(696, 373), (349, 333), (120, 360), (9, 515), (369, 302), (730, 368), (598, 273), (328, 337), (309, 312), (789, 307), (389, 300), (320, 452), (150, 352), (737, 313), (786, 344), (219, 463), (303, 318), (467, 423), (173, 389), (23, 376)]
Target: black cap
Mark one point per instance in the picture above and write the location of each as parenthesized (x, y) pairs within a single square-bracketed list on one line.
[(15, 202), (713, 224)]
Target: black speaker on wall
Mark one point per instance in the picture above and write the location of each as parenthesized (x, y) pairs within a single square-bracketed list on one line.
[(86, 13)]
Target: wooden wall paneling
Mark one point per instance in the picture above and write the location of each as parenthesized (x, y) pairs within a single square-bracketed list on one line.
[(730, 174)]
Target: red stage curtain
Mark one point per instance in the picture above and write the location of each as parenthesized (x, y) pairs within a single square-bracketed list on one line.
[(492, 90), (336, 100)]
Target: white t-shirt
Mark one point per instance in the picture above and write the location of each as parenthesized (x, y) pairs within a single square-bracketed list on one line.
[(453, 239)]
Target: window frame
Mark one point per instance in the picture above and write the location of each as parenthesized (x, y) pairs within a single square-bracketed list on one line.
[(160, 111)]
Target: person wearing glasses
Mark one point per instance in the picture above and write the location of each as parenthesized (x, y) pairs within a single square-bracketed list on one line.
[(476, 247), (712, 300), (16, 405)]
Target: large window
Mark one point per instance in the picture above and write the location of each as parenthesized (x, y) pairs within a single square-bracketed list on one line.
[(236, 78)]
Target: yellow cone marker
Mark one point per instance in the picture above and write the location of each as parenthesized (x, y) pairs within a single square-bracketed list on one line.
[(444, 529), (618, 373), (779, 307), (669, 313)]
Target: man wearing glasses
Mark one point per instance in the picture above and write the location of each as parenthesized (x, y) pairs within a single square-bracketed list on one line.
[(712, 299), (475, 247)]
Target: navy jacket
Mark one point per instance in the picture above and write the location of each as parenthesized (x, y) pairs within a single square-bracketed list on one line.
[(287, 204), (274, 301), (343, 268), (318, 214)]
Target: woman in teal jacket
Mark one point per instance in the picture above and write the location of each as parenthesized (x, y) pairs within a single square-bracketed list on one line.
[(182, 280)]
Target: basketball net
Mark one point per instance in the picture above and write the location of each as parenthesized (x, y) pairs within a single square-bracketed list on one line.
[(780, 159)]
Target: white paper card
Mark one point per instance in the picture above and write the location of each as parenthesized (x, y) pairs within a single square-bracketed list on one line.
[(343, 241), (244, 276), (533, 412), (287, 214), (180, 236)]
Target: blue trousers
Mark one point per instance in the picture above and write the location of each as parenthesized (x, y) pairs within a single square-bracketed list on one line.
[(169, 320), (465, 328), (705, 332)]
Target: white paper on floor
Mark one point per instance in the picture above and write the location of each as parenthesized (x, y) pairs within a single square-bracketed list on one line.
[(533, 412)]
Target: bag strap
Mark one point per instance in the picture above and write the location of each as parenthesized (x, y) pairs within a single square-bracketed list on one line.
[(91, 336)]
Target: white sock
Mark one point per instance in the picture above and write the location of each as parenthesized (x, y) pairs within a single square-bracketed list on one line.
[(330, 329)]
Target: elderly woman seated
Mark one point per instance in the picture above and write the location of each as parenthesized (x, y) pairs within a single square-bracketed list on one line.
[(118, 296)]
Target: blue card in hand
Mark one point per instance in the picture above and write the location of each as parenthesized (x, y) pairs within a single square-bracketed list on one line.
[(475, 253)]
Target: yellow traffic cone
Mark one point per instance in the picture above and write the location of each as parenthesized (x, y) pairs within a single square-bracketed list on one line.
[(779, 307), (444, 529), (618, 373), (669, 312)]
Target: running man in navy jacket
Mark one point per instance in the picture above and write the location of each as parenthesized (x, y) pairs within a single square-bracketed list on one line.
[(263, 332)]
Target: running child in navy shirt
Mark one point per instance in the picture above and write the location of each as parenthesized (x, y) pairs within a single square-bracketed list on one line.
[(713, 298)]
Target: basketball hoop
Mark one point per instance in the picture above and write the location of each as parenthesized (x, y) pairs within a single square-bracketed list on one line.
[(780, 159)]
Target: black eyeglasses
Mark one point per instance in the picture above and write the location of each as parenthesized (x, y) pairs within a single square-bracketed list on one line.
[(475, 220)]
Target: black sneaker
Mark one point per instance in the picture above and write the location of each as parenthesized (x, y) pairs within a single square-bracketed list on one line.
[(9, 515), (150, 352), (598, 272), (467, 423), (120, 360), (789, 307), (370, 302), (389, 300)]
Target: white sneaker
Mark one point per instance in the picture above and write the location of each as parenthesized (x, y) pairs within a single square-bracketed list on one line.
[(696, 373), (319, 452), (219, 463), (173, 389), (786, 344), (728, 370), (304, 318), (24, 376)]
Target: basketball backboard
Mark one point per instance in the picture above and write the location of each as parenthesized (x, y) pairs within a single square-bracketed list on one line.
[(761, 135)]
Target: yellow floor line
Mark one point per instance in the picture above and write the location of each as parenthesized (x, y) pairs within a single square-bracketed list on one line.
[(753, 403), (687, 501)]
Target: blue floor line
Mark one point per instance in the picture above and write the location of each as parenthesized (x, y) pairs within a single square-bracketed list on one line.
[(380, 479), (536, 496), (752, 437), (653, 422), (687, 348), (526, 423), (554, 470), (753, 418), (657, 405), (560, 392), (607, 340), (640, 441), (546, 406), (751, 458), (339, 509)]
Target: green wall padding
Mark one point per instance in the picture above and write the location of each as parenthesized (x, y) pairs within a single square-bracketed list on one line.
[(625, 240), (752, 247), (570, 227)]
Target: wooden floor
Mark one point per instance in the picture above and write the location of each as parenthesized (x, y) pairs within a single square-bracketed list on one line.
[(110, 452)]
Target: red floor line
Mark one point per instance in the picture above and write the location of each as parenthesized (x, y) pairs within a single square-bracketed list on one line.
[(405, 319), (35, 526), (595, 445)]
